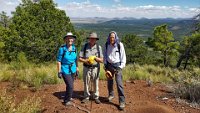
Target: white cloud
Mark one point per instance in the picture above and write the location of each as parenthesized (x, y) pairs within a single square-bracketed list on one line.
[(154, 8), (117, 1), (8, 5), (87, 9), (197, 10)]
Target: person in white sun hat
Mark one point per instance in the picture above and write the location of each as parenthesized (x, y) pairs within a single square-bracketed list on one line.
[(67, 65)]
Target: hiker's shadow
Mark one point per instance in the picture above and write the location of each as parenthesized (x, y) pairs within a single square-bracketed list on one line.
[(76, 95), (104, 100), (79, 95)]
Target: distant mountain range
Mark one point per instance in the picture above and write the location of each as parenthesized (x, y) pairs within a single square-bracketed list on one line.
[(142, 27), (103, 19)]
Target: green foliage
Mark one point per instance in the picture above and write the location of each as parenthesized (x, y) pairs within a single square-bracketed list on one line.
[(197, 23), (40, 28), (81, 34), (160, 74), (147, 72), (140, 27), (194, 42), (135, 49), (163, 41), (190, 47), (22, 62), (38, 75), (4, 20), (10, 44)]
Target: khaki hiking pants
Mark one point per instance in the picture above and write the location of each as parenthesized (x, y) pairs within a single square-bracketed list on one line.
[(90, 75)]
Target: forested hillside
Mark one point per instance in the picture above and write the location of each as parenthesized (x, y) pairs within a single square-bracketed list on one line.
[(140, 27)]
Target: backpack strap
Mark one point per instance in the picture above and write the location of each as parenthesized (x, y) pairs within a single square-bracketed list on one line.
[(118, 47), (84, 49), (98, 50), (98, 64), (63, 47), (106, 44)]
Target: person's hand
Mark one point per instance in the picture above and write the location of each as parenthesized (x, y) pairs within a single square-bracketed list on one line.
[(119, 69), (91, 59), (105, 67), (76, 75), (60, 75), (86, 61)]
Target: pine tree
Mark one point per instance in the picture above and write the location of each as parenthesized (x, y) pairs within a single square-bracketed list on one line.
[(163, 41), (41, 27)]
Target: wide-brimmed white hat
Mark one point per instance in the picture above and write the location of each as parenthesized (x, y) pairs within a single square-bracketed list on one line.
[(69, 34)]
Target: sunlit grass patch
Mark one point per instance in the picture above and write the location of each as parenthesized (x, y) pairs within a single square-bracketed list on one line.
[(28, 105), (32, 75)]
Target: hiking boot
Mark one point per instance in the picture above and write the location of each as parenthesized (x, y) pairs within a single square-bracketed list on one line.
[(69, 104), (110, 98), (121, 105), (71, 99), (97, 101), (85, 100)]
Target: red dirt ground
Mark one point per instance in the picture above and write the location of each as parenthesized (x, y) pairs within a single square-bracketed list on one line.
[(139, 99)]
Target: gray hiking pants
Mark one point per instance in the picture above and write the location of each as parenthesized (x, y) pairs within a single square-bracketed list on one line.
[(119, 82)]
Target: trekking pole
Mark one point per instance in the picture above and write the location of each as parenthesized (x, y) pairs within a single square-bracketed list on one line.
[(91, 88)]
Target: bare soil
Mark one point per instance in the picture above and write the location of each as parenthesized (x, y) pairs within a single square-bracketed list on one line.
[(139, 99)]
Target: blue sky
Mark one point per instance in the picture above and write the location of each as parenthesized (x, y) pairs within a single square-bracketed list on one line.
[(106, 3), (120, 8)]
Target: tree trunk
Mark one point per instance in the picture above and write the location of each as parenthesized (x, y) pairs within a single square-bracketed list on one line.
[(165, 58), (187, 56), (180, 60)]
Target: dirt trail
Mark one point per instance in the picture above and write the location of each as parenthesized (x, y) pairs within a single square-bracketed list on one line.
[(139, 99)]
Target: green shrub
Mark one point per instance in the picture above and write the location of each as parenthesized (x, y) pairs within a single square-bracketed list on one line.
[(30, 75), (5, 73), (147, 72), (40, 74)]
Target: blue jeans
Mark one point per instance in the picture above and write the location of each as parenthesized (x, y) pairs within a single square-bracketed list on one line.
[(119, 82), (69, 81)]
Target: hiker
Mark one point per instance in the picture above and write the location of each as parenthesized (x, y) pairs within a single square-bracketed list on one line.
[(114, 62), (67, 65), (91, 55)]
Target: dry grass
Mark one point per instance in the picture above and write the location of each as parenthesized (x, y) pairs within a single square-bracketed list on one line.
[(29, 105)]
